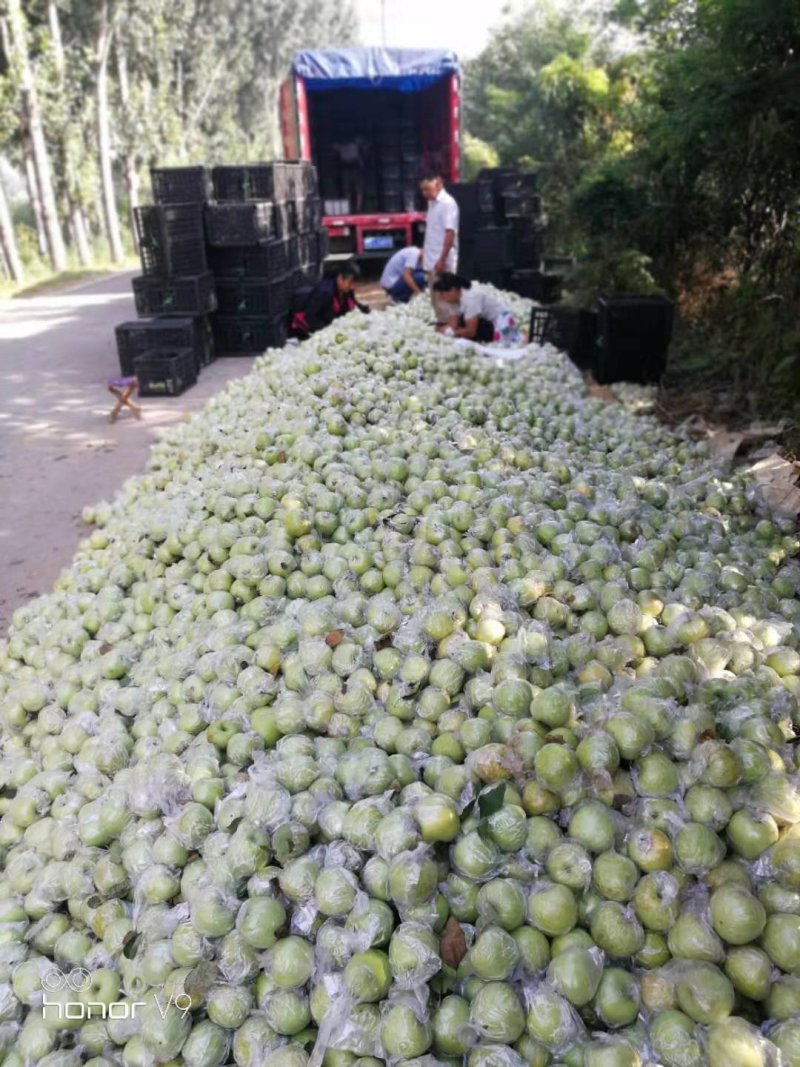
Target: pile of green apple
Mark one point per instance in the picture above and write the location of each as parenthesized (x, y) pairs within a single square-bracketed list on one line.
[(408, 710)]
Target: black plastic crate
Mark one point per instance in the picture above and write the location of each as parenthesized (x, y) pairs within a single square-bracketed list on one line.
[(136, 337), (180, 185), (285, 219), (497, 276), (323, 244), (572, 330), (634, 337), (255, 181), (308, 213), (267, 260), (248, 335), (174, 296), (494, 248), (254, 298), (293, 255), (522, 205), (175, 257), (165, 371), (240, 224), (392, 202), (473, 197), (170, 238)]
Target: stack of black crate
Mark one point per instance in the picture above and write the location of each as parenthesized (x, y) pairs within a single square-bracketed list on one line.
[(263, 233), (501, 232), (171, 342)]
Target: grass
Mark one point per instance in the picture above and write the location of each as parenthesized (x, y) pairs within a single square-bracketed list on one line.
[(40, 279)]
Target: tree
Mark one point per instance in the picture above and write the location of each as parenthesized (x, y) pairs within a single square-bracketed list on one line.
[(105, 36), (23, 73), (8, 241)]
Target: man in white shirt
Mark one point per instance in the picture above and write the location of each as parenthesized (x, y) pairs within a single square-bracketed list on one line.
[(440, 251), (403, 276)]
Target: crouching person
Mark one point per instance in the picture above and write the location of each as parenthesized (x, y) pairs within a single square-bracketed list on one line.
[(328, 300), (477, 314)]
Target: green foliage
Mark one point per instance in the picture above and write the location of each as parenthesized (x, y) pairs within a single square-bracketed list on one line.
[(475, 155)]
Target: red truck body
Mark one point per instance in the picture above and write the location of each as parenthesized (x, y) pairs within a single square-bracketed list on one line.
[(404, 106)]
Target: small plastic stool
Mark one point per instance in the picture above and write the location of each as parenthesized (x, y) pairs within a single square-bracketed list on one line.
[(123, 389)]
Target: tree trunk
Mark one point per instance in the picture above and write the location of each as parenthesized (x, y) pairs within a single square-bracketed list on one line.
[(129, 163), (30, 102), (8, 241), (80, 235), (105, 34), (55, 36), (33, 193)]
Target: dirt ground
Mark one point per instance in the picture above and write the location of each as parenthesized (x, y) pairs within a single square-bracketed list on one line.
[(58, 451)]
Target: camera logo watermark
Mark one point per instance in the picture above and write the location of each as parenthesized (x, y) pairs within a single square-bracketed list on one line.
[(68, 996)]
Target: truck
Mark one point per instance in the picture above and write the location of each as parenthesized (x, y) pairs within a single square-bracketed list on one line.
[(371, 120)]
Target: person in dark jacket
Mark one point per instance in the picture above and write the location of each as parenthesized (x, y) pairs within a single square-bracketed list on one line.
[(328, 300)]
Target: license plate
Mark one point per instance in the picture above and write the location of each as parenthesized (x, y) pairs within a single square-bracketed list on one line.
[(378, 242)]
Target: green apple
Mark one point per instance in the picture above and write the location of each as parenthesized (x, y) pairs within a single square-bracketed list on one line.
[(556, 767), (494, 955), (437, 817), (656, 901), (616, 930), (403, 1034), (576, 974), (413, 878), (368, 976), (497, 1014), (785, 857), (533, 947), (615, 876), (598, 753), (781, 941), (786, 1038), (543, 835), (551, 1021), (675, 1040), (229, 1006), (335, 892), (569, 864), (735, 1043), (632, 734), (655, 775), (709, 806), (704, 993), (502, 902), (750, 970), (508, 828), (618, 999), (650, 849), (783, 999), (475, 857), (592, 825), (451, 1027), (736, 915), (290, 962), (553, 909), (698, 849), (691, 938), (260, 919)]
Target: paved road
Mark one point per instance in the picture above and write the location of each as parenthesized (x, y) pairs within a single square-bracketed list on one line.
[(58, 451)]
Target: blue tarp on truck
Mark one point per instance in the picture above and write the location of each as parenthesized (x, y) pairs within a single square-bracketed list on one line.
[(405, 70)]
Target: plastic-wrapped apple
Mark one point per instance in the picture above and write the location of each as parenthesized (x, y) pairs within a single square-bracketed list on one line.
[(569, 864), (502, 902), (618, 998), (497, 1014), (704, 993), (403, 1035), (751, 833), (616, 930), (475, 857), (553, 909), (290, 962), (786, 1038), (556, 767), (494, 955), (413, 878), (576, 974), (287, 1011), (259, 920), (452, 1034), (335, 892), (737, 916), (413, 954), (592, 825), (612, 1052), (543, 834), (632, 735), (698, 849), (438, 818), (676, 1041), (650, 849), (551, 1020), (692, 938), (508, 828), (533, 948), (614, 876), (783, 1000), (781, 941), (735, 1043), (656, 901)]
